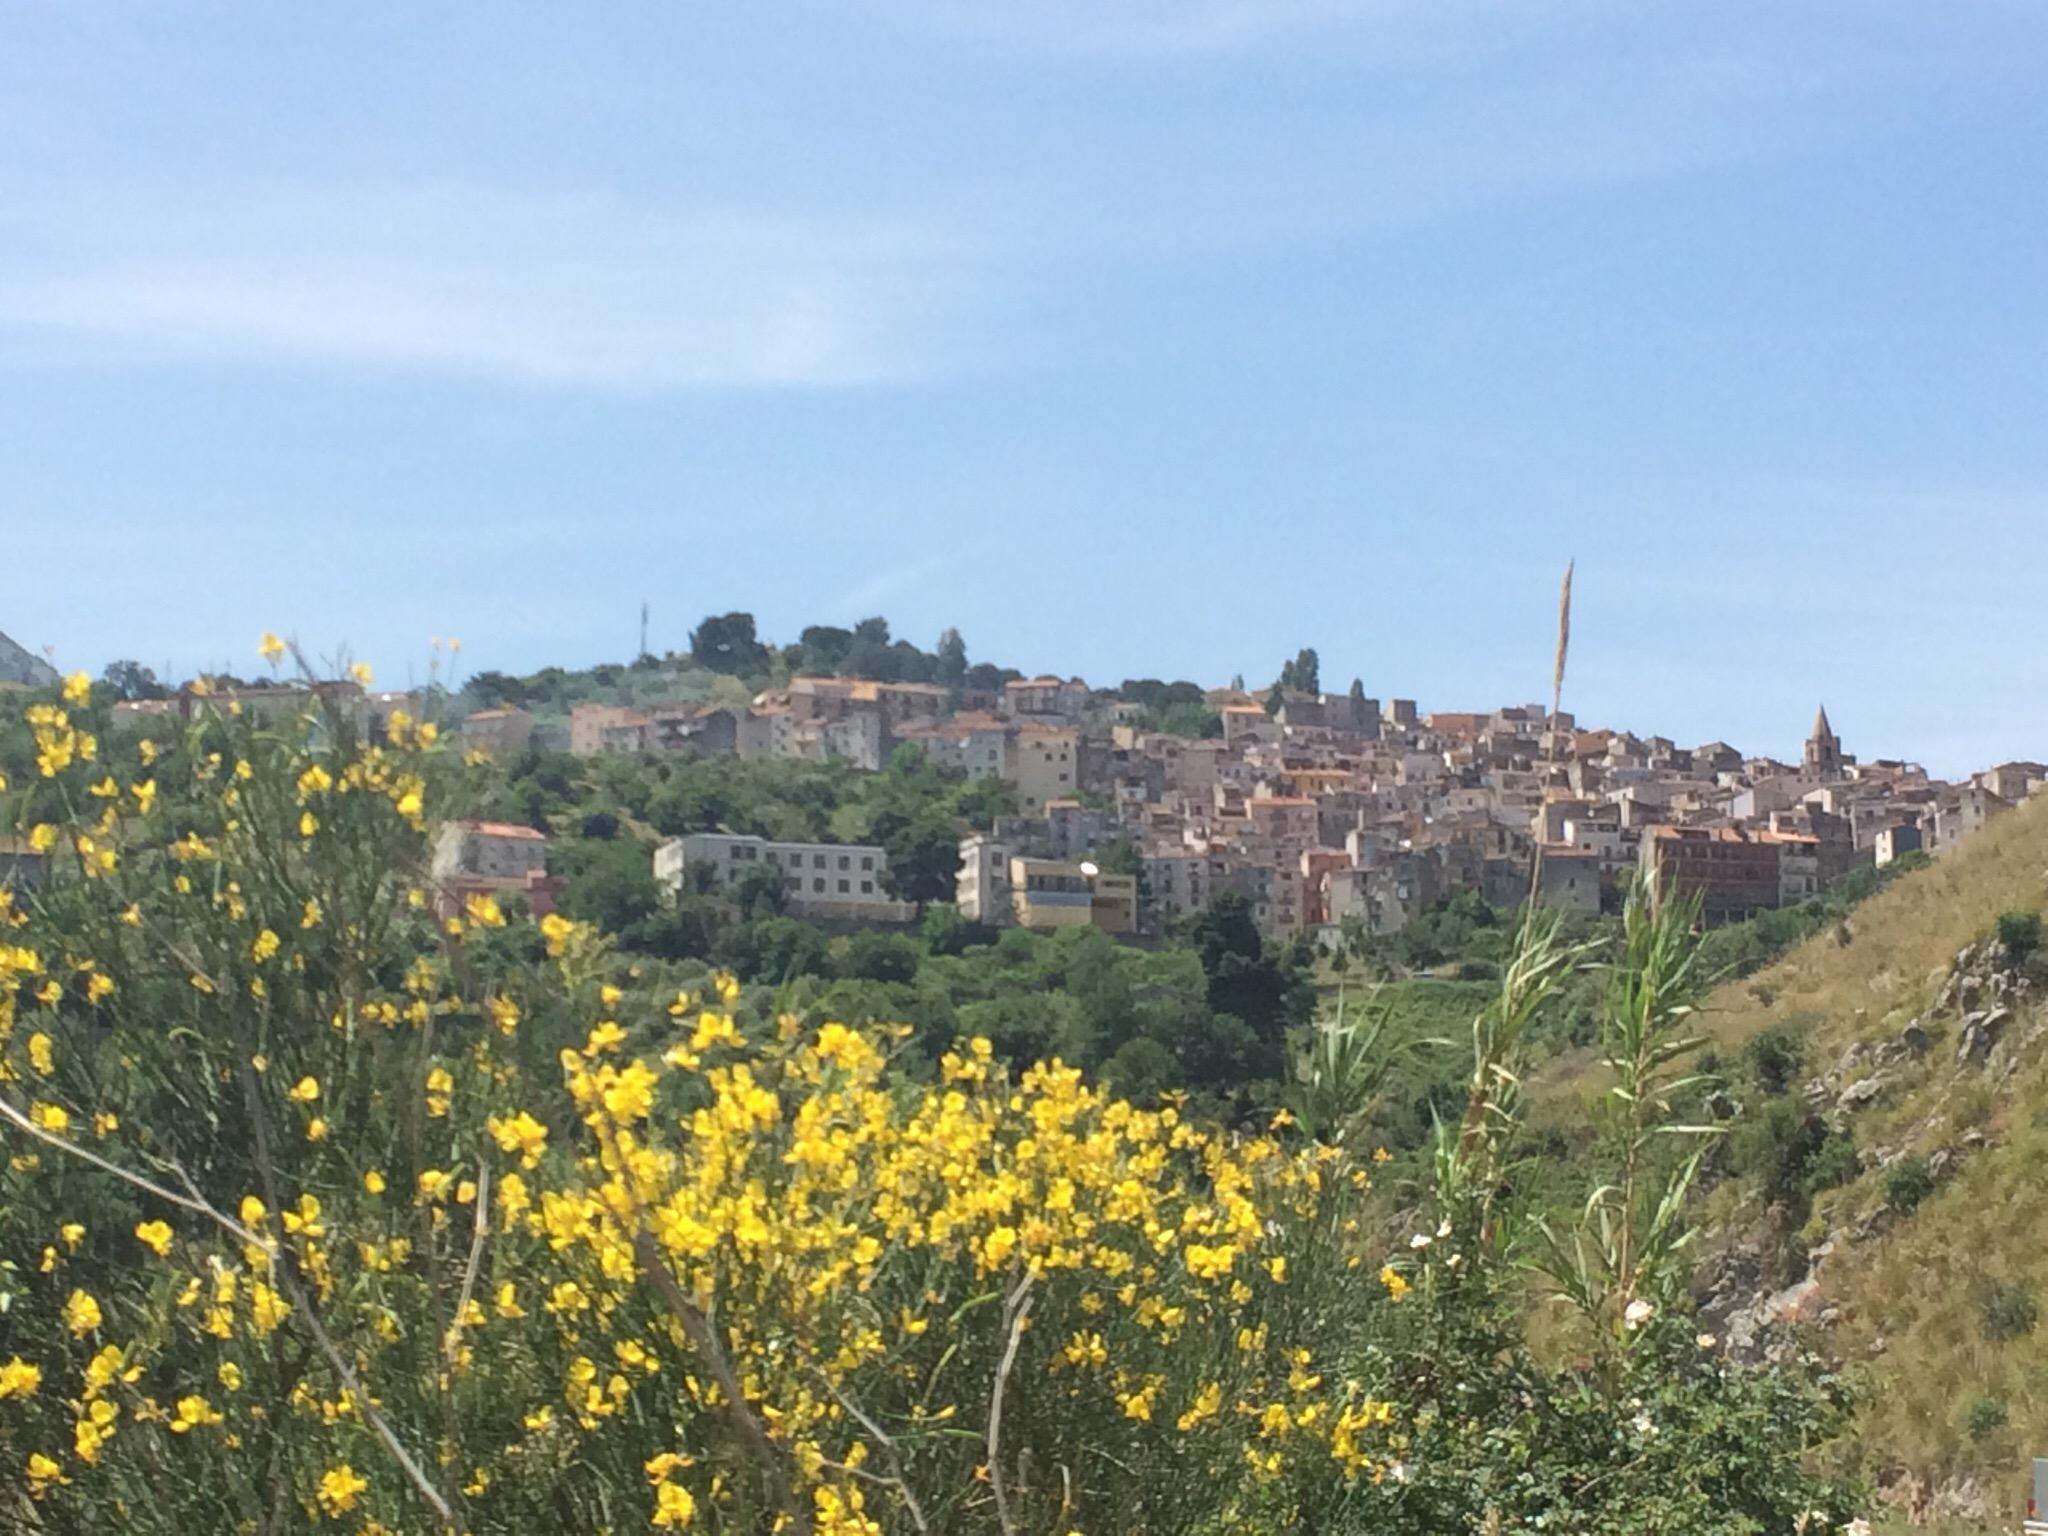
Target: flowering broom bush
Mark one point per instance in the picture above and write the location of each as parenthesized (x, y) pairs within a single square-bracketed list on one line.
[(331, 1202), (327, 1204)]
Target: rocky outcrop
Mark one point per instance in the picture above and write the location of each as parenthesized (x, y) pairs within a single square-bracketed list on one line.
[(20, 665), (1984, 1006), (1953, 1502)]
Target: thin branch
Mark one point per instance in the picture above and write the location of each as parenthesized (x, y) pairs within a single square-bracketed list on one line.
[(698, 1327), (898, 1480), (199, 1205), (302, 1304), (193, 1203), (1015, 1310), (302, 1307), (476, 1259)]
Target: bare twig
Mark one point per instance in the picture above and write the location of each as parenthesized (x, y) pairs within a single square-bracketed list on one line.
[(192, 1200), (1015, 1310), (705, 1341), (898, 1481), (1564, 645), (302, 1308), (302, 1304), (476, 1259)]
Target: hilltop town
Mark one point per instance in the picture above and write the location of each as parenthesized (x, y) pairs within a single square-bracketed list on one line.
[(1133, 808), (1327, 812)]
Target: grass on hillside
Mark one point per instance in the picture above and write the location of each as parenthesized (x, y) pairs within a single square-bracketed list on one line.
[(1871, 972), (1922, 1308)]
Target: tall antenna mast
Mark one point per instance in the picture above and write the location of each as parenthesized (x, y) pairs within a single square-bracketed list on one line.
[(643, 630)]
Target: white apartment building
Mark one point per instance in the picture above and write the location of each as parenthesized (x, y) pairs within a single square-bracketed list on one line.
[(834, 880)]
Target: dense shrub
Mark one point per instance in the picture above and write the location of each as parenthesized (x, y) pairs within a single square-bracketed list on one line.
[(1775, 1054), (1907, 1182), (337, 1201), (1985, 1416), (1792, 1153), (2007, 1310), (2020, 933)]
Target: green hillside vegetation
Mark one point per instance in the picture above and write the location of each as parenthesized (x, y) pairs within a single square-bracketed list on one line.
[(331, 1205), (1940, 1264)]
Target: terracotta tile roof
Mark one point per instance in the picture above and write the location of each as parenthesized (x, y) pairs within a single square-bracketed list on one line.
[(500, 829)]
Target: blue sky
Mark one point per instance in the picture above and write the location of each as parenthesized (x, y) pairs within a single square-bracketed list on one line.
[(1132, 337)]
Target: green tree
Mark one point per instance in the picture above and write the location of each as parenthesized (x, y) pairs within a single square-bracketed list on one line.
[(778, 949), (613, 887), (821, 649), (726, 642), (1249, 980), (1304, 674), (2020, 933), (952, 659), (872, 955), (924, 857), (130, 681), (495, 690), (946, 932)]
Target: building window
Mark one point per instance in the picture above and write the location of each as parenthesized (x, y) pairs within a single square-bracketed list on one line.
[(867, 887), (843, 887), (818, 886), (845, 862), (867, 861)]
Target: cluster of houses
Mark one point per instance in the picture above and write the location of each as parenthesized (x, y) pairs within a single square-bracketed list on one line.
[(1327, 812)]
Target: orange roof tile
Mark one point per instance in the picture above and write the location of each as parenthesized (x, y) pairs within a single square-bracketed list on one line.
[(500, 829)]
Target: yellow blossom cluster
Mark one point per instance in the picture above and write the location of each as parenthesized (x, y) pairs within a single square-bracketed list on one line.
[(430, 1174)]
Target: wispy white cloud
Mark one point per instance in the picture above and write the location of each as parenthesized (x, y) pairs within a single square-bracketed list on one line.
[(570, 292), (864, 597)]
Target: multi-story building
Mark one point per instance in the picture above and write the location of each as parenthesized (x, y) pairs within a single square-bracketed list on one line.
[(1568, 880), (1247, 722), (2013, 782), (1001, 887), (1045, 698), (493, 858), (598, 729), (499, 732), (976, 745), (843, 881), (981, 886), (1964, 810), (1799, 874), (1043, 765), (1287, 823), (1734, 874), (1901, 837), (1061, 893)]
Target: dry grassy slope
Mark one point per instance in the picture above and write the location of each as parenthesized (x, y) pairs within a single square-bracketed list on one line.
[(1910, 1300), (1898, 941), (1899, 946)]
